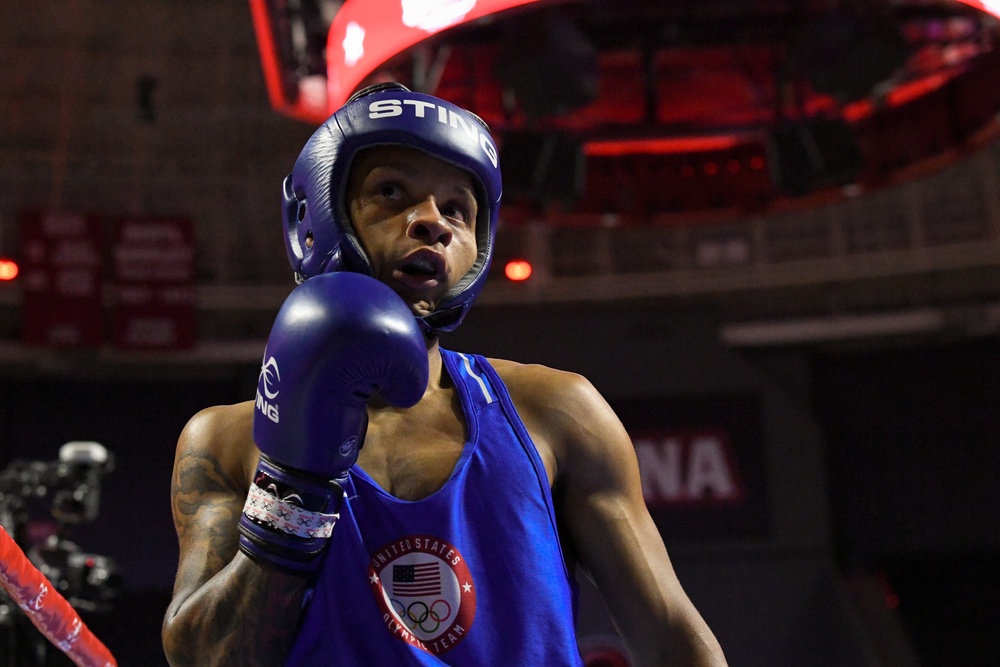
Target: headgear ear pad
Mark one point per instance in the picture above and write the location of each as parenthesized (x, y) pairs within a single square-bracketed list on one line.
[(387, 114)]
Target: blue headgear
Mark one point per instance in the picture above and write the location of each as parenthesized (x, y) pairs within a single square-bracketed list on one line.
[(386, 114)]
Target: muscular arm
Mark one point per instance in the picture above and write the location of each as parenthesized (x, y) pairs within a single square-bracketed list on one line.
[(226, 610), (601, 511)]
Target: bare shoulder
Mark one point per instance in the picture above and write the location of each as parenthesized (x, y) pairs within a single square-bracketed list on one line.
[(542, 390), (528, 377), (562, 410), (221, 421), (218, 441)]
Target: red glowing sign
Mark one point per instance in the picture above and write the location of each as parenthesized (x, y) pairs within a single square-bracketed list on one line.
[(367, 33)]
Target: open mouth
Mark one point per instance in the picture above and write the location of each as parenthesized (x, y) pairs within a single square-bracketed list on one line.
[(420, 268)]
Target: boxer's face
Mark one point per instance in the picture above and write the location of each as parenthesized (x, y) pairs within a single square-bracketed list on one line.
[(415, 216)]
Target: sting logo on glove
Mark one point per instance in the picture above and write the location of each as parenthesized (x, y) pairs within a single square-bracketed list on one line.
[(269, 377)]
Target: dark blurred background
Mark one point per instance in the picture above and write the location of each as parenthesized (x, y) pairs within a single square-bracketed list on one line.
[(769, 233)]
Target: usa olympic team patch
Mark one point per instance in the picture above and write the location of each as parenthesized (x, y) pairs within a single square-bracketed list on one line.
[(425, 591)]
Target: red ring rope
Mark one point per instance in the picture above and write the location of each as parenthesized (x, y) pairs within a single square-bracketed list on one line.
[(47, 609)]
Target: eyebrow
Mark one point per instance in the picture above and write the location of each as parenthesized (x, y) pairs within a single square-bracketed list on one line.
[(412, 171)]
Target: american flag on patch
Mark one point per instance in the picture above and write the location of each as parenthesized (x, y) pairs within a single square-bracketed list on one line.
[(416, 579)]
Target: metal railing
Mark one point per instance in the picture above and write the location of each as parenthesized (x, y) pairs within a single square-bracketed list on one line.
[(945, 221)]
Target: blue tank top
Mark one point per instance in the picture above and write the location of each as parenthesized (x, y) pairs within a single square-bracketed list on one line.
[(472, 575)]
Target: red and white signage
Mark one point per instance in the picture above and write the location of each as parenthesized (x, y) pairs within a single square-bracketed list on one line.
[(988, 6), (693, 466), (154, 283), (365, 34), (61, 280), (701, 464)]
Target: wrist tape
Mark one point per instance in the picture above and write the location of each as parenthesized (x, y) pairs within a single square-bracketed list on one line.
[(288, 517), (266, 508)]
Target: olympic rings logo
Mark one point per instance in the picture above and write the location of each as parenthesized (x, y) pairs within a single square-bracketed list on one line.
[(419, 615), (425, 591)]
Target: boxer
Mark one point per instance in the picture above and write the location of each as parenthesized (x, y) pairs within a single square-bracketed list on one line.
[(383, 500)]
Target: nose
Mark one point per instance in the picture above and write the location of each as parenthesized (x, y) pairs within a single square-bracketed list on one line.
[(425, 223)]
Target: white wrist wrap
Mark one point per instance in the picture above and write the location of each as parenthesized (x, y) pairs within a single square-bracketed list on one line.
[(278, 514)]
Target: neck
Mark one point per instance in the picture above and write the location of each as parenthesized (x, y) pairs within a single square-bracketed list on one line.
[(435, 364)]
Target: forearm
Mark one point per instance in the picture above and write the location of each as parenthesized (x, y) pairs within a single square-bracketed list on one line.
[(245, 615), (689, 643)]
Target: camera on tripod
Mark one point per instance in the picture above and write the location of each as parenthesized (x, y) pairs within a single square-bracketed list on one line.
[(68, 491)]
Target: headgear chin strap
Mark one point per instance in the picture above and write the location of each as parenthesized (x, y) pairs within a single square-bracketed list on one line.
[(387, 114)]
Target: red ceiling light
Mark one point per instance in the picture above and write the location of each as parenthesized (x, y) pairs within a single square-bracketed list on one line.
[(659, 145), (517, 270), (8, 269)]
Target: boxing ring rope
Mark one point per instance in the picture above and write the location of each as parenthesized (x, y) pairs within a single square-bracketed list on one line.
[(47, 609)]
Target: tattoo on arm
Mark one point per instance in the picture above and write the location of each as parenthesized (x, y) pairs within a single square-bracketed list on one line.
[(198, 479), (226, 610)]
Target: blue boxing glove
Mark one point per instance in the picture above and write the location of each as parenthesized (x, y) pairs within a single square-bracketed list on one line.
[(338, 338)]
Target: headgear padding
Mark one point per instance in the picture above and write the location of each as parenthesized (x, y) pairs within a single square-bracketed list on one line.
[(387, 114)]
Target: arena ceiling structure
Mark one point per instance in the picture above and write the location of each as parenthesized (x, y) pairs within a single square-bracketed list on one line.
[(608, 106)]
